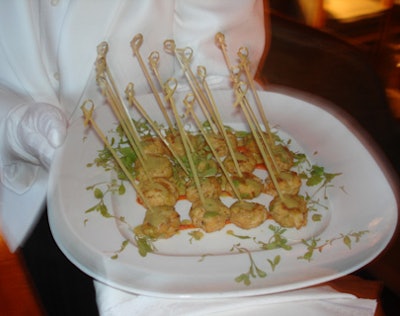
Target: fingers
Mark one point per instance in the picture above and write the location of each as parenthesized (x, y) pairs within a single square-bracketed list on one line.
[(52, 124), (35, 131)]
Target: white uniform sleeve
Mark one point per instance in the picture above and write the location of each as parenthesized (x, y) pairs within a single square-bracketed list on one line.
[(25, 81), (22, 185), (16, 174), (30, 133)]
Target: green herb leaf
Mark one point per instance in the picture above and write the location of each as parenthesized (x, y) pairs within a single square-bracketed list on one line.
[(98, 194)]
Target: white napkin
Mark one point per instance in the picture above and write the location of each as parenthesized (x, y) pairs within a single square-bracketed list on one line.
[(317, 300)]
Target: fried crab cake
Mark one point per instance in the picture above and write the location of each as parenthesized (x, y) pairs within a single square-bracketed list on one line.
[(246, 162), (159, 192), (289, 182), (249, 186), (159, 222), (289, 212), (155, 167), (210, 216), (247, 215), (210, 187)]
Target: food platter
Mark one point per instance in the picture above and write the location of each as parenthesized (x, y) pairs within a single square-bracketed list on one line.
[(358, 225)]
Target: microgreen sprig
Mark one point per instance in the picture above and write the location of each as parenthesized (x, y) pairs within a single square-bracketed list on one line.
[(253, 272), (277, 240), (314, 243)]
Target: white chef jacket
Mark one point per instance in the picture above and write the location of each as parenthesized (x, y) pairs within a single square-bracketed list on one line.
[(48, 50)]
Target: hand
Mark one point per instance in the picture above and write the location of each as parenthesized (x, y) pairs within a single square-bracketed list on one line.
[(34, 131)]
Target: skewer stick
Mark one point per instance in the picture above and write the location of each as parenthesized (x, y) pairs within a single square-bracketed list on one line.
[(261, 135), (123, 118), (254, 120), (202, 73), (154, 59), (88, 115), (170, 87), (240, 100), (235, 72), (184, 57), (131, 98), (220, 39), (244, 63), (135, 45), (188, 101), (107, 84)]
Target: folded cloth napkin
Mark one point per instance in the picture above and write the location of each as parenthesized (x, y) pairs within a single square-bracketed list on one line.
[(317, 300)]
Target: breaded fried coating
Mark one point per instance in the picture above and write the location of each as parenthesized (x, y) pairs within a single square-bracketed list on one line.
[(247, 215), (211, 216), (290, 212)]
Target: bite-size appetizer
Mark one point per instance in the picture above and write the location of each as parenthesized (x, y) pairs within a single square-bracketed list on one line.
[(251, 147), (289, 182), (176, 144), (159, 192), (249, 186), (152, 145), (283, 157), (206, 167), (159, 222), (219, 143), (210, 216), (246, 162), (247, 215), (155, 167), (291, 211), (210, 188)]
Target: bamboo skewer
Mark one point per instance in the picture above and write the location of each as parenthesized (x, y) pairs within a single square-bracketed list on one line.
[(220, 39), (154, 59), (106, 83), (88, 114), (135, 45), (184, 57), (235, 74), (261, 135), (170, 87), (244, 63), (189, 106), (253, 117), (265, 145), (126, 125), (202, 73), (240, 100), (131, 98)]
